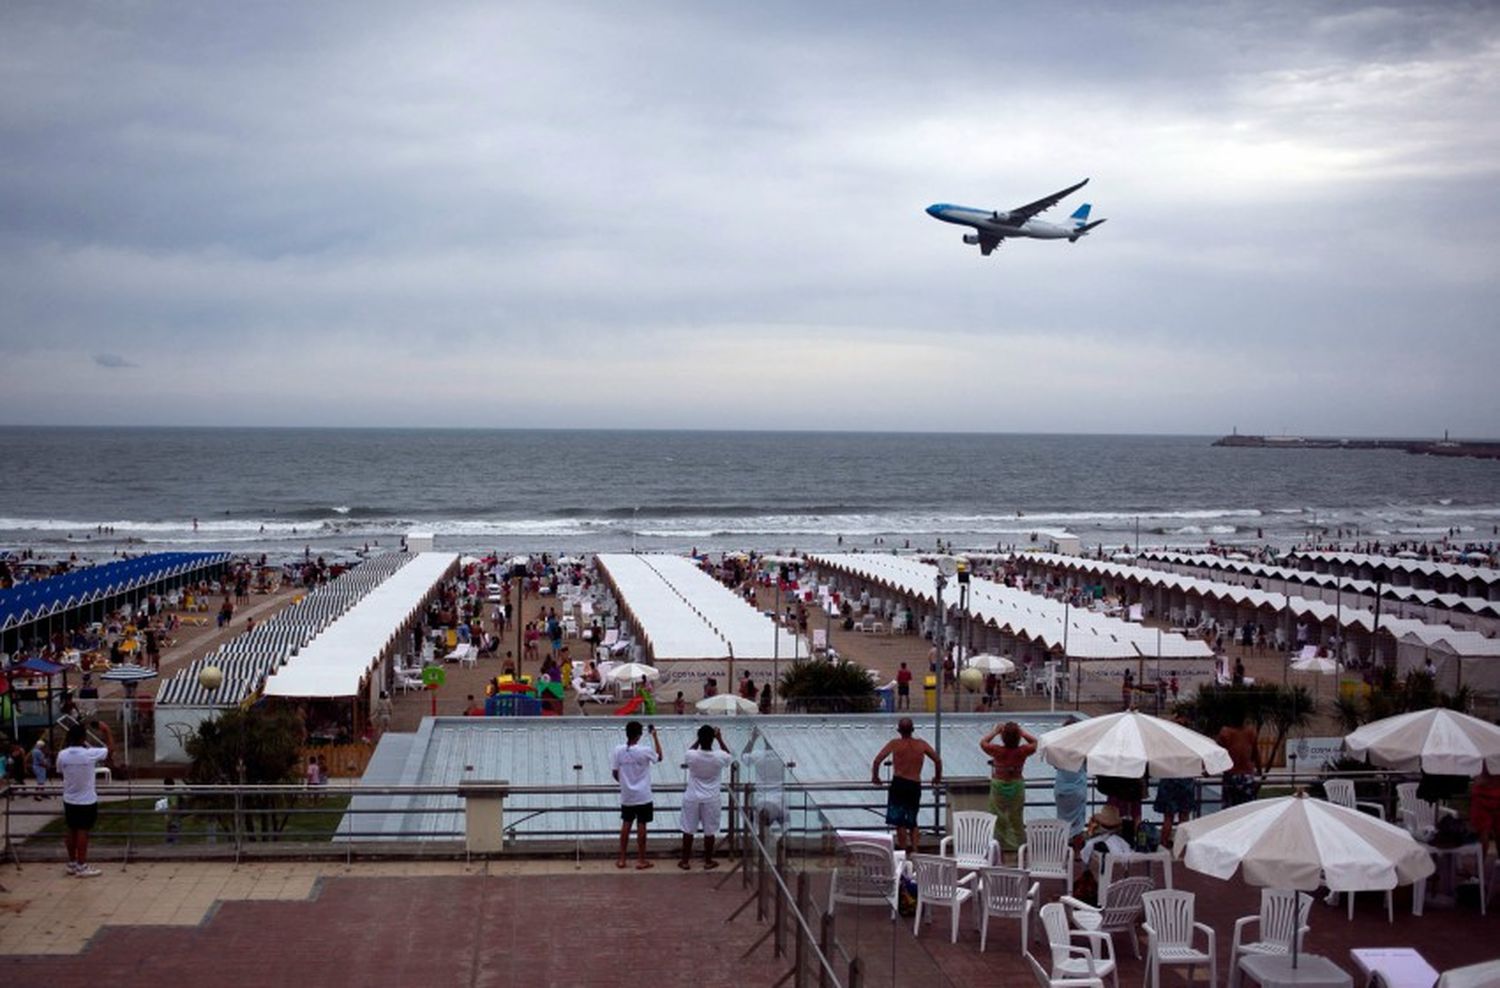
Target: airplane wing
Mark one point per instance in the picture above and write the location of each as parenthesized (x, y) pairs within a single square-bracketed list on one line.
[(988, 242), (1026, 212)]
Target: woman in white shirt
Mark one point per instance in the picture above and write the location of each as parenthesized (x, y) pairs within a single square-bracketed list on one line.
[(700, 802)]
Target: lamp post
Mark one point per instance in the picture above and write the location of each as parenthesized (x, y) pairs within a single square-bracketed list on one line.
[(962, 566), (775, 631), (945, 568), (1052, 686)]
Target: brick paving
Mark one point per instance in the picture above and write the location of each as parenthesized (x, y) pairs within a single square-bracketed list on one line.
[(532, 922)]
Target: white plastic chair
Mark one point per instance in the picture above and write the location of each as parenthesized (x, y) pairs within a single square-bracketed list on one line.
[(868, 876), (1418, 816), (1070, 960), (1280, 912), (1006, 893), (938, 884), (1045, 980), (1340, 792), (1169, 930), (1047, 853), (972, 842), (1119, 912)]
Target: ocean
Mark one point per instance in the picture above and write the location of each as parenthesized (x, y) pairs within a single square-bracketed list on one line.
[(284, 491)]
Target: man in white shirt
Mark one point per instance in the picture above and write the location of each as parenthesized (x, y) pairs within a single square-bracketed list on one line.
[(631, 766), (700, 802), (76, 764)]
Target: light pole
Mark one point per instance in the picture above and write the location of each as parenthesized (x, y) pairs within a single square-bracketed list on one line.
[(1052, 685), (775, 632), (945, 569), (962, 566)]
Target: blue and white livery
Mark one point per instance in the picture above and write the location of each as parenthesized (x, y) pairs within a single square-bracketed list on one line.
[(991, 226)]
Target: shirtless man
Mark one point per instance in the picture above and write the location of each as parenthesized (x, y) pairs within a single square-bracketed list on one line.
[(1242, 743), (906, 754)]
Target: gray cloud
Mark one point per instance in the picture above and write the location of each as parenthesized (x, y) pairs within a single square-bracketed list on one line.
[(585, 205), (111, 360)]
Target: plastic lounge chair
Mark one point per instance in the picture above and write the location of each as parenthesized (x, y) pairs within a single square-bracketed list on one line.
[(972, 843), (938, 884), (868, 876), (1045, 980), (1047, 853), (1006, 893), (1119, 912), (1474, 976), (1280, 912), (1169, 930), (1069, 960)]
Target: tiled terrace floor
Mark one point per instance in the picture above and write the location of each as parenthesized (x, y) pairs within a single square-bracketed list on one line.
[(527, 923)]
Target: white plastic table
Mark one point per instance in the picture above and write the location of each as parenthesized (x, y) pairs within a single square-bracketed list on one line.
[(1274, 971), (1446, 861), (1399, 967)]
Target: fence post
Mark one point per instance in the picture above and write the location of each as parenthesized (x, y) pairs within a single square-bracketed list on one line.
[(778, 919), (825, 945), (760, 877), (734, 788), (799, 951), (856, 973)]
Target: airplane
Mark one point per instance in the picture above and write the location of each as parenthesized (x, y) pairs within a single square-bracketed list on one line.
[(992, 225)]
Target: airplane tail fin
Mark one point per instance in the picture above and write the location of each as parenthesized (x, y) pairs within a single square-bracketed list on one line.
[(1081, 215), (1084, 228)]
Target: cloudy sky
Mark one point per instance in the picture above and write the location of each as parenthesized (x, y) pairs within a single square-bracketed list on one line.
[(711, 215)]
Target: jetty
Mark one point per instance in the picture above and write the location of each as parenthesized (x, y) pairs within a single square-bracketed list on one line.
[(1483, 449)]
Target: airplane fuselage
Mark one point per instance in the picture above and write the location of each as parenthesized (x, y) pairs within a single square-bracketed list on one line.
[(992, 222)]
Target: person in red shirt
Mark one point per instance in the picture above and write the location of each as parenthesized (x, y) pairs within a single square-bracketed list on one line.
[(903, 688), (475, 709)]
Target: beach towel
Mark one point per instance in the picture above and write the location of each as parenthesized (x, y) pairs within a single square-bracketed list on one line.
[(1008, 803)]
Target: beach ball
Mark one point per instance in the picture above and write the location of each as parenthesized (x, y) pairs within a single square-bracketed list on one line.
[(211, 678), (971, 680)]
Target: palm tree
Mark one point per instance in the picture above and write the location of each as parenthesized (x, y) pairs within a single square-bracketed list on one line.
[(818, 686)]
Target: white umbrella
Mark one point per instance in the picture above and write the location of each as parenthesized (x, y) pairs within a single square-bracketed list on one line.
[(1316, 663), (1439, 741), (727, 703), (1128, 744), (1294, 842), (1320, 664), (997, 665), (631, 672)]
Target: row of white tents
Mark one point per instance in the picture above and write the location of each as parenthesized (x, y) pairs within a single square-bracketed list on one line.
[(324, 645), (1085, 634), (1462, 657), (680, 612), (1476, 613), (1412, 571)]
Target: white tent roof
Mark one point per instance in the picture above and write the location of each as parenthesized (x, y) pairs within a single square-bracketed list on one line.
[(683, 613), (1089, 635), (1318, 610), (335, 662), (1451, 601)]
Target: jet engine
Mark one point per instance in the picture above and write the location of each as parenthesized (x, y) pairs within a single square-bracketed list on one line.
[(971, 238)]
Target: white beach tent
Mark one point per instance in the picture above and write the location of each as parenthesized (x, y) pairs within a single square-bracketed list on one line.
[(337, 661)]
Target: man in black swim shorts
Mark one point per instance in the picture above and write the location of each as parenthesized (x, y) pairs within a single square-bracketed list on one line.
[(907, 754)]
